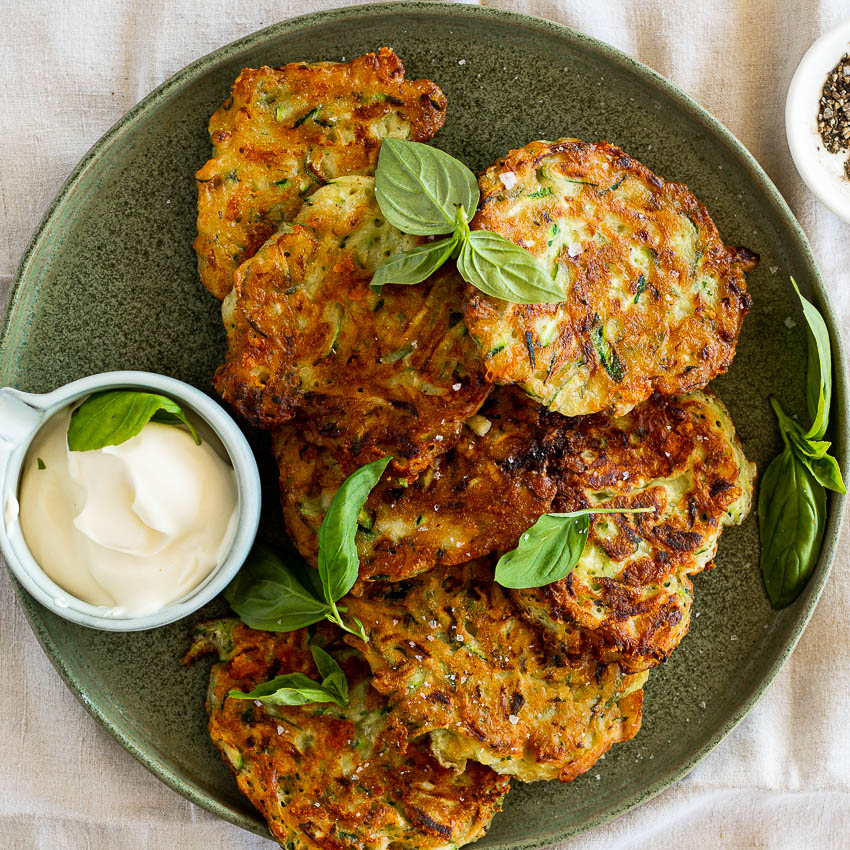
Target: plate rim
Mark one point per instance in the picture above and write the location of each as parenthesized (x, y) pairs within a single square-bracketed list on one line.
[(188, 788)]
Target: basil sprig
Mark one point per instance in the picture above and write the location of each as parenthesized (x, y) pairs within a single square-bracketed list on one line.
[(338, 559), (550, 549), (299, 689), (272, 596), (792, 494), (423, 191), (112, 417)]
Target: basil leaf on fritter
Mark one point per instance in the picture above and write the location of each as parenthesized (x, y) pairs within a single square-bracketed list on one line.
[(423, 191), (299, 689), (419, 188), (289, 689), (500, 268), (333, 678), (338, 559), (413, 266), (549, 550)]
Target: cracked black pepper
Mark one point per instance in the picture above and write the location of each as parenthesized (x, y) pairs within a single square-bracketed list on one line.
[(834, 110)]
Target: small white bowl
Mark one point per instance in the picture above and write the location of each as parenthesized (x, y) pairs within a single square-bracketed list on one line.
[(21, 417), (822, 171)]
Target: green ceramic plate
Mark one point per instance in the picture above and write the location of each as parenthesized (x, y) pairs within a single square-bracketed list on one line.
[(110, 283)]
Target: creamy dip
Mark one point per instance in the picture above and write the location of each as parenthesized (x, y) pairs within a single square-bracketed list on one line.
[(132, 527)]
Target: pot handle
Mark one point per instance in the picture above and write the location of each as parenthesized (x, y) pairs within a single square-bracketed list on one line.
[(20, 416)]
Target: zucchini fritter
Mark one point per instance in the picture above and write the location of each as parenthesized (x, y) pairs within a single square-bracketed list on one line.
[(473, 500), (286, 131), (630, 591), (456, 660), (368, 374), (653, 300), (329, 777)]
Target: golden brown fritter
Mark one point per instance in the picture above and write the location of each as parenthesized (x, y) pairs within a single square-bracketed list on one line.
[(455, 659), (653, 300), (470, 503), (330, 777), (286, 131), (368, 374), (630, 591)]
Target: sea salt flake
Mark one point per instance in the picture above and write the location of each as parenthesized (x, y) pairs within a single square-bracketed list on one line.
[(508, 179), (574, 249), (789, 323), (513, 719), (280, 730), (461, 61)]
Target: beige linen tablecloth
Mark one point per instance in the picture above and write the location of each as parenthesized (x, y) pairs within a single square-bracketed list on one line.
[(70, 70)]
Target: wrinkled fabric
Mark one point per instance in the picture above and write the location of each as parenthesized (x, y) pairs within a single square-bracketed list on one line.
[(70, 70)]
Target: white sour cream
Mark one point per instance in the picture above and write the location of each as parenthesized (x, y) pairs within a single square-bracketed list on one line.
[(132, 527)]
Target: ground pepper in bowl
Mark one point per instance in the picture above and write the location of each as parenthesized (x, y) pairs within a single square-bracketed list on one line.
[(834, 110)]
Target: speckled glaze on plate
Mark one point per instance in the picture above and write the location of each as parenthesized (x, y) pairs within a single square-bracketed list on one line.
[(110, 282)]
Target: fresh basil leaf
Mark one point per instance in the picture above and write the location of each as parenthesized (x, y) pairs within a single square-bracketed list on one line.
[(819, 371), (338, 559), (415, 265), (500, 268), (267, 595), (547, 552), (299, 689), (792, 494), (825, 470), (814, 454), (550, 549), (325, 663), (792, 515), (811, 453), (289, 689), (333, 678), (810, 448), (112, 417), (419, 188), (303, 573)]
